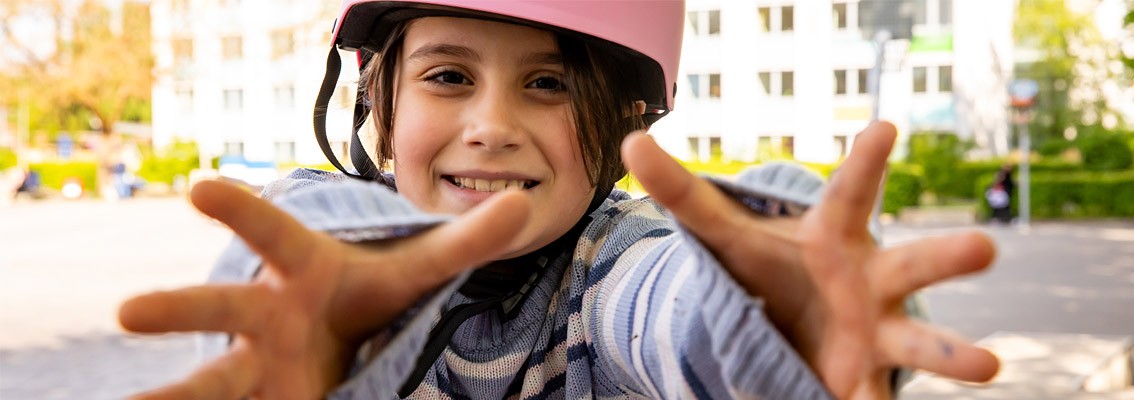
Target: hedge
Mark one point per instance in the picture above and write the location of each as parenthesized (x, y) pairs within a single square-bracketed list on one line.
[(165, 166), (7, 158), (1072, 195), (903, 187), (960, 181), (53, 174)]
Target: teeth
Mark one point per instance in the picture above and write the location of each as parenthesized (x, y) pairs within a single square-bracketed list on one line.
[(485, 185)]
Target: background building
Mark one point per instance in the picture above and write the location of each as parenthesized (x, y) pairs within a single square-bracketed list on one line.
[(243, 84), (770, 78), (758, 79)]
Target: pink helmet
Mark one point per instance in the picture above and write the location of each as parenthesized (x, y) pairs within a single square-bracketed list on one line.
[(648, 31)]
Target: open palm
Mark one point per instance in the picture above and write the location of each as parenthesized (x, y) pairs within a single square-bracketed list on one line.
[(828, 287), (297, 326)]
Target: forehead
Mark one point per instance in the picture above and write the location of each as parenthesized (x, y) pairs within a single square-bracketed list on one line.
[(473, 32)]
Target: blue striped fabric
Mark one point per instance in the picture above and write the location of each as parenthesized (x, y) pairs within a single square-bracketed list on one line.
[(639, 310)]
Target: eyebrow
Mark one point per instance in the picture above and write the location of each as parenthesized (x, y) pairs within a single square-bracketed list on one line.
[(542, 58), (452, 50), (441, 49)]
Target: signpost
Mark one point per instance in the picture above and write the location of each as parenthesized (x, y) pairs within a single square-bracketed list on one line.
[(1022, 94)]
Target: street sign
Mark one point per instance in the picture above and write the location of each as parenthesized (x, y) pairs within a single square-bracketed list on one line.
[(1022, 93)]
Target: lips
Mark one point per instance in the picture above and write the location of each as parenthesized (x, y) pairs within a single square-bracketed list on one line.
[(489, 185)]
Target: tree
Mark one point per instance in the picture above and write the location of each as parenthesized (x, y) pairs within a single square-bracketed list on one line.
[(1071, 64), (88, 61)]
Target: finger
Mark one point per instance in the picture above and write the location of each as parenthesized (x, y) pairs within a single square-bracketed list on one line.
[(232, 376), (209, 308), (908, 343), (900, 271), (849, 198), (281, 240), (699, 206), (480, 235), (711, 215)]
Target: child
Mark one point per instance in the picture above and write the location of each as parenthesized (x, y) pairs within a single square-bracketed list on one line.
[(502, 122)]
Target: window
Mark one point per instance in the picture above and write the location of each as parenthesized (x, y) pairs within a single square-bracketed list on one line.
[(787, 15), (715, 22), (695, 85), (765, 15), (285, 96), (919, 80), (840, 81), (232, 47), (945, 78), (704, 148), (863, 81), (712, 89), (945, 9), (920, 12), (839, 17), (234, 149), (840, 145), (233, 99), (283, 43), (778, 83), (705, 22), (182, 49), (285, 151), (184, 99), (346, 97)]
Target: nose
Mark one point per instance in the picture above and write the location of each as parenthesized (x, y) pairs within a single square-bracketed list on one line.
[(494, 124)]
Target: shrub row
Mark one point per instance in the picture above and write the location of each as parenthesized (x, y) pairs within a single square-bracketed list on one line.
[(1079, 194), (54, 174)]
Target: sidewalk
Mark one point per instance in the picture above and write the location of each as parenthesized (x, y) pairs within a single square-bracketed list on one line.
[(67, 265)]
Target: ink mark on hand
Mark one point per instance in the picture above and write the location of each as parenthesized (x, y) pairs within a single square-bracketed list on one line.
[(946, 348)]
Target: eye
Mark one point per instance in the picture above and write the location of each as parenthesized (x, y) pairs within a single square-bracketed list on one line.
[(547, 83), (448, 78)]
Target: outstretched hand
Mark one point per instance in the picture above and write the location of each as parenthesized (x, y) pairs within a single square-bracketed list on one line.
[(828, 287), (297, 325)]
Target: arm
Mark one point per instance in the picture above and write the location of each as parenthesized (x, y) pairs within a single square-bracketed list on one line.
[(672, 323), (299, 323), (826, 285)]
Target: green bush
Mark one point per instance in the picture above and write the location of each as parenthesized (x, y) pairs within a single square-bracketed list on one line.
[(7, 158), (1081, 194), (960, 182), (53, 174), (1054, 147), (938, 155), (176, 160), (903, 188), (1105, 152)]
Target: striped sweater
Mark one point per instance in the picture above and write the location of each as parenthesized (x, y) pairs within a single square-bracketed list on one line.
[(639, 308)]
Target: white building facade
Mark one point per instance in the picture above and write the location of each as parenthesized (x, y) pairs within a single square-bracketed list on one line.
[(240, 77), (788, 78), (758, 79)]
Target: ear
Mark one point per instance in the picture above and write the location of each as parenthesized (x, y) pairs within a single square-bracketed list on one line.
[(640, 106)]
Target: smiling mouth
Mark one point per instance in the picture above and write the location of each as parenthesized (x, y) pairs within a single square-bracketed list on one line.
[(489, 185)]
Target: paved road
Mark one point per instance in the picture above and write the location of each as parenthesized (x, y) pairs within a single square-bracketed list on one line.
[(64, 267)]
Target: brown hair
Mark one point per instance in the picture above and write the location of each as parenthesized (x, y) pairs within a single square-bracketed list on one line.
[(602, 102)]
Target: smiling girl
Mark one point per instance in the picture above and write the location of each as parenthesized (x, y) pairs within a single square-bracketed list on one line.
[(499, 125)]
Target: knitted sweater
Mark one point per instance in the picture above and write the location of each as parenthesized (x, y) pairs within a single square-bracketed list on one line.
[(638, 309)]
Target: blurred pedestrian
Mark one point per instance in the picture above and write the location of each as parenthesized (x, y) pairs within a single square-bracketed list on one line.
[(999, 195)]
